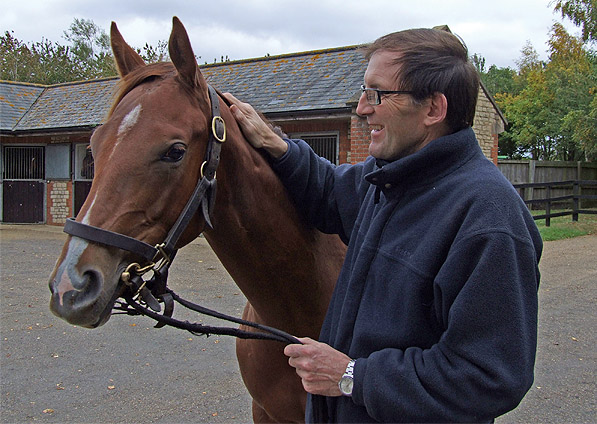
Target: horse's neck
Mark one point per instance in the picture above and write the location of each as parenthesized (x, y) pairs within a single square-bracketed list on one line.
[(272, 255)]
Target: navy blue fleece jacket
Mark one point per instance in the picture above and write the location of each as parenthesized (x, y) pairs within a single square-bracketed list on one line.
[(437, 298)]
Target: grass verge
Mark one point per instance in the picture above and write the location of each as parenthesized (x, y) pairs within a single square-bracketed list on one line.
[(563, 227)]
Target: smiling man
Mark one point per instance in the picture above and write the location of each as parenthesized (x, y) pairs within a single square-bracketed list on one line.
[(434, 315)]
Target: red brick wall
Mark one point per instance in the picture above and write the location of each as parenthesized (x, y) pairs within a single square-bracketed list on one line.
[(360, 136), (494, 149)]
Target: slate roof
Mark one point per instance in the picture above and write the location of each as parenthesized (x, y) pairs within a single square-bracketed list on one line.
[(15, 100), (323, 80), (79, 104), (318, 80)]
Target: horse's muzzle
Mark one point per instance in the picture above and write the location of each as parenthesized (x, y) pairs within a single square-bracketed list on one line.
[(80, 300)]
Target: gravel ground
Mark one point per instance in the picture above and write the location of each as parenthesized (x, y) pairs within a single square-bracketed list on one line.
[(127, 371)]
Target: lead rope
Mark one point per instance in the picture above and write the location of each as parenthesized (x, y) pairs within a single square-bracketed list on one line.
[(265, 332)]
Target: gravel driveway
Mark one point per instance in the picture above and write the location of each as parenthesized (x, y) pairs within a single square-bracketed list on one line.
[(127, 371)]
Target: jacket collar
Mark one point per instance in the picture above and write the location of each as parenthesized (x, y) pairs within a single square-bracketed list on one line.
[(440, 157)]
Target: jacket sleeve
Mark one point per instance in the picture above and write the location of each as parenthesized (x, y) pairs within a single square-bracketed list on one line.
[(320, 190), (482, 366)]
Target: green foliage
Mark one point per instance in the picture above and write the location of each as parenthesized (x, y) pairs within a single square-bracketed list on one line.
[(550, 106), (90, 49), (42, 62), (87, 56), (502, 80), (152, 54), (479, 62), (583, 13)]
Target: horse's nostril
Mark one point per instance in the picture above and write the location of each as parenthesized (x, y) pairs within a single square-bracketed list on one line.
[(87, 288), (91, 285)]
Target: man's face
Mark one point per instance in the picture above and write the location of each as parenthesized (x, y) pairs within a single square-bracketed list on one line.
[(398, 124)]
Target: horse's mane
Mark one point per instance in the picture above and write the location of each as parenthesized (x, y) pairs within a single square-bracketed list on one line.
[(138, 76)]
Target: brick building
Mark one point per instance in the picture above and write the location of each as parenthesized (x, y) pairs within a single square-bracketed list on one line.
[(45, 130)]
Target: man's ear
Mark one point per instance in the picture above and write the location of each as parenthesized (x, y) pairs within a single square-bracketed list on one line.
[(437, 109)]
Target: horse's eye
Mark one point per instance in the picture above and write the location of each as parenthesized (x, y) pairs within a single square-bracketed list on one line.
[(175, 153)]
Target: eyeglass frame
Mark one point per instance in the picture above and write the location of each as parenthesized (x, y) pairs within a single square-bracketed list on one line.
[(379, 93)]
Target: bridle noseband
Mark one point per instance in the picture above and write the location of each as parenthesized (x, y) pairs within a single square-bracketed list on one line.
[(158, 258)]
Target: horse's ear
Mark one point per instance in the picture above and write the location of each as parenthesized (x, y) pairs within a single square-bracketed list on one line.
[(181, 54), (126, 58)]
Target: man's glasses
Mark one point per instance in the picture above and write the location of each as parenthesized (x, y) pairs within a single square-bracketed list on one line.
[(373, 95)]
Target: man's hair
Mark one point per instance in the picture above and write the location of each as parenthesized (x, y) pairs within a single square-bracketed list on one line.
[(431, 61)]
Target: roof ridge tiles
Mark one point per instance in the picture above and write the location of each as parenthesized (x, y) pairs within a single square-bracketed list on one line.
[(283, 56)]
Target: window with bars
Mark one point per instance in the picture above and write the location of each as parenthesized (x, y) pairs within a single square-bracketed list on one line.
[(325, 145), (23, 163)]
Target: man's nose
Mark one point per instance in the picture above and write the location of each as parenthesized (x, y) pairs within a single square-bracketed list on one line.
[(363, 107)]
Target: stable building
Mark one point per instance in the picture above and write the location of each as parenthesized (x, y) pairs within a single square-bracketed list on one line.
[(45, 130)]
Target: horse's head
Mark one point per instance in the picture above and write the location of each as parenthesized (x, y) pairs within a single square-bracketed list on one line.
[(147, 159)]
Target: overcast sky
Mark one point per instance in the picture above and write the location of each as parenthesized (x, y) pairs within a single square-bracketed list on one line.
[(243, 29)]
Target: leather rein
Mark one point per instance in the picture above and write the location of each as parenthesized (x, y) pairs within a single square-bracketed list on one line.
[(144, 295)]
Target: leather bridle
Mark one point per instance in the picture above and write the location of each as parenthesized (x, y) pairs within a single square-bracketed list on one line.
[(158, 258), (204, 195)]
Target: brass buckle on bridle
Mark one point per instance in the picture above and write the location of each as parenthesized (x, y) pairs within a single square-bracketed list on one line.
[(201, 171), (159, 261), (218, 122), (164, 260), (135, 270)]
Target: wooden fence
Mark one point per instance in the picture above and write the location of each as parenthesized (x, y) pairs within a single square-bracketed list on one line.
[(549, 185), (533, 171), (573, 204)]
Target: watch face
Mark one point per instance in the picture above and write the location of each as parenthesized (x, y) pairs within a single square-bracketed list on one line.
[(346, 385)]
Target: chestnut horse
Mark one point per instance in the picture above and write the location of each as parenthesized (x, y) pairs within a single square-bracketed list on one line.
[(147, 163)]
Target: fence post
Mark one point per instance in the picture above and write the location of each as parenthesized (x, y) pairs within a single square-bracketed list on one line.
[(548, 205), (530, 191), (575, 200)]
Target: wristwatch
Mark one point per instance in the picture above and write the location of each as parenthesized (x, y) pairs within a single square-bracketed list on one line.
[(347, 380)]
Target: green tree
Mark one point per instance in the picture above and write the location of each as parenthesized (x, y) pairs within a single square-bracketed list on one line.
[(479, 62), (90, 48), (43, 62), (572, 79), (552, 116), (502, 80), (86, 56), (15, 57), (151, 54), (583, 13)]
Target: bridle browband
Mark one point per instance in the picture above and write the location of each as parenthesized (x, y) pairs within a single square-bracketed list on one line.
[(157, 259)]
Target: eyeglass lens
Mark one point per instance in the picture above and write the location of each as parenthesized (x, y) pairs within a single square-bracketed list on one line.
[(372, 97)]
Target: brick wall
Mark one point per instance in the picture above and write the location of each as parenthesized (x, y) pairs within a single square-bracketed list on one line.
[(59, 202), (360, 135)]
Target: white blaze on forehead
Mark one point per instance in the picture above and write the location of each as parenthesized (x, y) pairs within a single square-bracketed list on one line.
[(127, 123)]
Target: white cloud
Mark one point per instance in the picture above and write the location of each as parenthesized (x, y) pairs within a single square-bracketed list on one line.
[(245, 29)]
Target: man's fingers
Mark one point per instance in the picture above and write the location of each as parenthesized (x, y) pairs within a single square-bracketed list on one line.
[(238, 115), (231, 98), (294, 350)]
